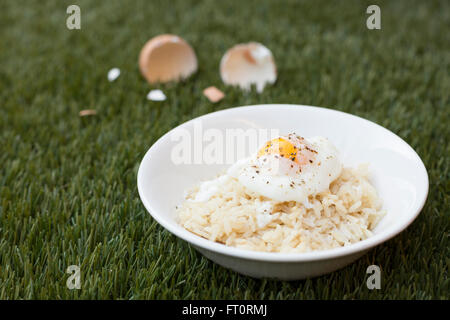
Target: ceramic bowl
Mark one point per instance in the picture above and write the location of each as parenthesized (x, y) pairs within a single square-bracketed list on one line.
[(397, 173)]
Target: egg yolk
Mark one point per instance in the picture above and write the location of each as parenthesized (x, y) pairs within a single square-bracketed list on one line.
[(286, 149)]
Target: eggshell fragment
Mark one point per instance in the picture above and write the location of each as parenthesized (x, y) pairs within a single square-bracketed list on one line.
[(246, 64), (87, 112), (213, 94), (113, 74), (156, 95), (167, 58)]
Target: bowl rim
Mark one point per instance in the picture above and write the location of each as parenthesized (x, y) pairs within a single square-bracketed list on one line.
[(212, 246)]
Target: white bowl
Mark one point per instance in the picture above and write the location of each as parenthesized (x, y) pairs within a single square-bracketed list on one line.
[(397, 172)]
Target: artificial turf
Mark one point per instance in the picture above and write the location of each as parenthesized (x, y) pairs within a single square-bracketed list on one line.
[(68, 184)]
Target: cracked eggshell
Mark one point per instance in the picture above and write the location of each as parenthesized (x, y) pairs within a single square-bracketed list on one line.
[(167, 58), (246, 64)]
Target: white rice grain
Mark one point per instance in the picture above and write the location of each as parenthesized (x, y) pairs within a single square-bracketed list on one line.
[(345, 214)]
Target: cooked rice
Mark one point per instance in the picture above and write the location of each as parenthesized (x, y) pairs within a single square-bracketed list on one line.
[(344, 214)]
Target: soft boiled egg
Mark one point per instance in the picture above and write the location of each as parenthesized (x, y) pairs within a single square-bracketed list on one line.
[(289, 168)]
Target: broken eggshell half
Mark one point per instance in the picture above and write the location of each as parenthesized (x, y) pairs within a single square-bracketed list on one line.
[(246, 64), (167, 58)]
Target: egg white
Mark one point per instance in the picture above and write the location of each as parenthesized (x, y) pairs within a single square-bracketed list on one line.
[(278, 179)]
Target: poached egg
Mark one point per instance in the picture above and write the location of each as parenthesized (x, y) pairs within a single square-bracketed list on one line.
[(289, 168)]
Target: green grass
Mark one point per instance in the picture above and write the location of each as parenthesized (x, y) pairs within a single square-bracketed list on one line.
[(68, 184)]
